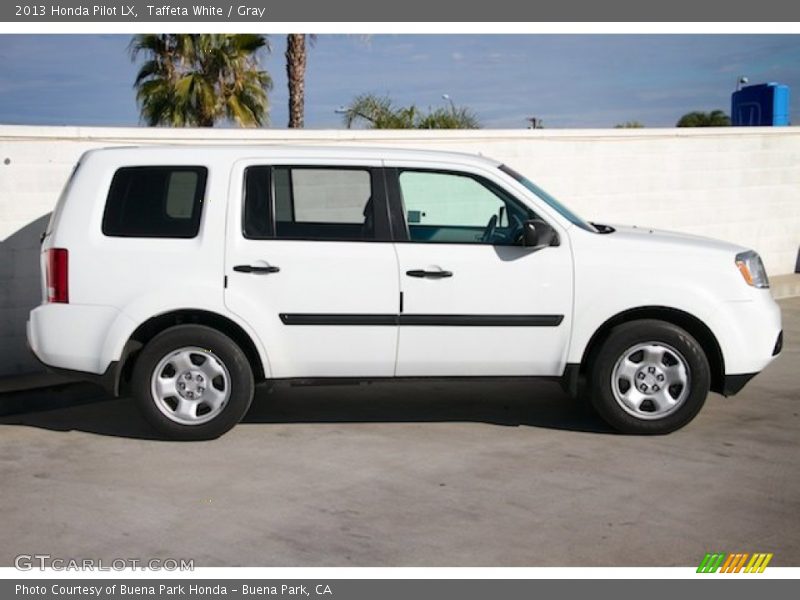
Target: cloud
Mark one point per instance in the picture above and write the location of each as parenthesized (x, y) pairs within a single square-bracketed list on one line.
[(568, 80)]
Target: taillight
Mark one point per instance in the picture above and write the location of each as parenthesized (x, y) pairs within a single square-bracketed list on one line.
[(58, 275)]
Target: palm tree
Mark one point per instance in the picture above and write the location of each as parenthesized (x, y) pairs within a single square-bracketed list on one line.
[(196, 80), (715, 118), (296, 56), (449, 118), (378, 112)]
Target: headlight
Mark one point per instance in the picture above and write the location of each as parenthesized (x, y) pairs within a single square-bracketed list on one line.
[(752, 269)]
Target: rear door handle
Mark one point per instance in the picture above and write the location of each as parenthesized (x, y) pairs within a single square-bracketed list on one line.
[(429, 274), (255, 269)]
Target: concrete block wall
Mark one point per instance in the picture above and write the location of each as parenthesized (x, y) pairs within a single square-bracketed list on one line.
[(736, 184)]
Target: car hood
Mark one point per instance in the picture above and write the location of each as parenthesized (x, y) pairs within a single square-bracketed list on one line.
[(673, 239)]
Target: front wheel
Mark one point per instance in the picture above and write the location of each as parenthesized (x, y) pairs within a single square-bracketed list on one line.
[(192, 382), (649, 377)]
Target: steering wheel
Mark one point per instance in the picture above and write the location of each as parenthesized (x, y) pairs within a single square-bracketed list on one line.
[(491, 228)]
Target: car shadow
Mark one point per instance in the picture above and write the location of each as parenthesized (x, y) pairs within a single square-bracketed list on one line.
[(20, 292), (529, 404)]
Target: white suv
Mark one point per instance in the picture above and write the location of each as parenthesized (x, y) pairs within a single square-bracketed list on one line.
[(187, 275)]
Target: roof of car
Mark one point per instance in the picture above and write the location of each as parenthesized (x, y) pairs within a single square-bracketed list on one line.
[(301, 152)]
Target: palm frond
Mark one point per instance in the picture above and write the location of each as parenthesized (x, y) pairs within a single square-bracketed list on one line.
[(199, 79)]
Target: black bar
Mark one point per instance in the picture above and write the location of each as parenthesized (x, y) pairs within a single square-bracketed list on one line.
[(144, 11), (422, 320), (337, 319), (482, 320), (732, 588)]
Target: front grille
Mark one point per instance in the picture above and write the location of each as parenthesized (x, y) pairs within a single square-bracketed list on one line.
[(778, 344)]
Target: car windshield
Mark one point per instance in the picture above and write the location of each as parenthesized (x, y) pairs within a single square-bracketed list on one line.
[(550, 200)]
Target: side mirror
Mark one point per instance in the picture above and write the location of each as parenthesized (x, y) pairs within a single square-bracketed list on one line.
[(538, 234)]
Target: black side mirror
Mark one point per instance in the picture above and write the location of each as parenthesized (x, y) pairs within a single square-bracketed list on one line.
[(538, 234)]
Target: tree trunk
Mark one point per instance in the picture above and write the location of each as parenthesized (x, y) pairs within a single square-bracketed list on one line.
[(296, 75)]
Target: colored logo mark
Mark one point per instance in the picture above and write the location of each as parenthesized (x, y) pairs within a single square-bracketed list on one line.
[(722, 562)]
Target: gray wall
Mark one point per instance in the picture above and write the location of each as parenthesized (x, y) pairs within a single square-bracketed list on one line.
[(737, 184)]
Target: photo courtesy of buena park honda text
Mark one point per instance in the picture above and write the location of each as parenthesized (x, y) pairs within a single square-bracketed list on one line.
[(360, 300)]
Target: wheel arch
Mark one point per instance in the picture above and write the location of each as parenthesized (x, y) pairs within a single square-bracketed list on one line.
[(155, 325), (693, 325)]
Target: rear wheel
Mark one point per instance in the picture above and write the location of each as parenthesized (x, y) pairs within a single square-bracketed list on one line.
[(649, 376), (192, 382)]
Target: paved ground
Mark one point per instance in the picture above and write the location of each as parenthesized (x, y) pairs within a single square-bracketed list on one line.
[(411, 474)]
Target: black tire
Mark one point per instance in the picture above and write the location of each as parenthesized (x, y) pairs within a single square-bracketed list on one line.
[(221, 347), (619, 342)]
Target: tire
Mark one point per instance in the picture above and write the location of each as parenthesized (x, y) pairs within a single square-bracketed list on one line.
[(192, 382), (649, 377)]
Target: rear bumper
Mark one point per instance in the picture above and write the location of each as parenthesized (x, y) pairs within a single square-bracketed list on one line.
[(70, 340), (109, 380), (72, 336)]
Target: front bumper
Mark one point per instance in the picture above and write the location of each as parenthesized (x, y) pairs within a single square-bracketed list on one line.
[(747, 332), (778, 345), (733, 384)]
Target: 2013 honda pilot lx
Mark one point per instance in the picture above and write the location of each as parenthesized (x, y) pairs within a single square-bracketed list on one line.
[(187, 275)]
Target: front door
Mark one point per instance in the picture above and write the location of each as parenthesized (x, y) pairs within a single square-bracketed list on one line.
[(310, 266), (475, 301)]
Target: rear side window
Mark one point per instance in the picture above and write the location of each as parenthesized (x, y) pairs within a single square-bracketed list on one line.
[(164, 202), (309, 203)]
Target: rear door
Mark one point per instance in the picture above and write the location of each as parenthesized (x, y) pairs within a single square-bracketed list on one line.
[(475, 301), (310, 266)]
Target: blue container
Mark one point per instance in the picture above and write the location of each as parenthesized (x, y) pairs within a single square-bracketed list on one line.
[(765, 104)]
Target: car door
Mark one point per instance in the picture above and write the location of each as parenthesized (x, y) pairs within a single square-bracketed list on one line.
[(309, 265), (475, 301)]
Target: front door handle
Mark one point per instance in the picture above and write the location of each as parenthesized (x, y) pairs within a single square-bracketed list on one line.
[(429, 274), (255, 269)]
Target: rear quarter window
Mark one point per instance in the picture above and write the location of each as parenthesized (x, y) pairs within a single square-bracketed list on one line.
[(161, 202)]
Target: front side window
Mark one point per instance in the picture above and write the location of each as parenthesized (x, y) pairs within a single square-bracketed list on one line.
[(444, 207), (164, 202), (309, 203)]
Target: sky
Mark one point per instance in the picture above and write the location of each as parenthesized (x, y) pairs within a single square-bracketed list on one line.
[(564, 80)]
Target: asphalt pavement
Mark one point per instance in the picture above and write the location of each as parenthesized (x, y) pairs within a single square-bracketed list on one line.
[(408, 474)]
